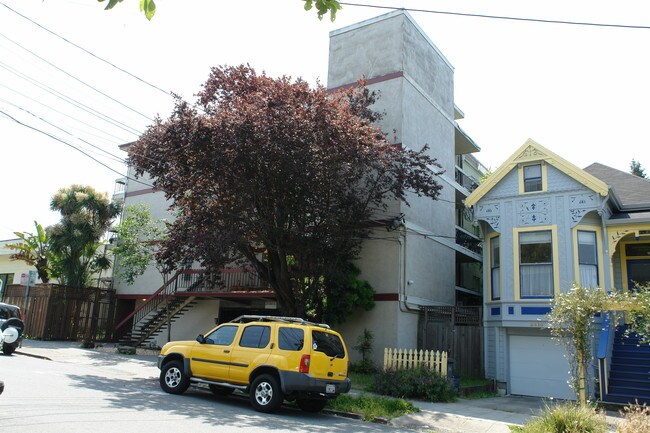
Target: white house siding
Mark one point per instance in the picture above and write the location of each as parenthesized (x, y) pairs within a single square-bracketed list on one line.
[(490, 351)]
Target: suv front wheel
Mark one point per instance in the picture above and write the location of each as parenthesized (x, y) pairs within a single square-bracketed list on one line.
[(172, 378), (265, 394)]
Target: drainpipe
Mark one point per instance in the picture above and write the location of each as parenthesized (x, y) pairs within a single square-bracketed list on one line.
[(403, 305), (609, 282)]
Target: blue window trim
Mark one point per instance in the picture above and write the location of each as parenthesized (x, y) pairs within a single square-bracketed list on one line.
[(511, 310), (495, 311), (529, 311), (536, 297)]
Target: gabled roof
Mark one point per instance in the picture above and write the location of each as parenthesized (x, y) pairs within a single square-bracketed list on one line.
[(632, 192), (532, 151)]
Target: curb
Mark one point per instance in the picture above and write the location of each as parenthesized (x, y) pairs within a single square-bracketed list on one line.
[(357, 416), (31, 355)]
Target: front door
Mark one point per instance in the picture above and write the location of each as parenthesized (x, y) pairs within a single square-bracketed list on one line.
[(638, 272), (211, 359)]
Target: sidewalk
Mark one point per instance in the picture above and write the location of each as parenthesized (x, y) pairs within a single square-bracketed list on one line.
[(485, 415)]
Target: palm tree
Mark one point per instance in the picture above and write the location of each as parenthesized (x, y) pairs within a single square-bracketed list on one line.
[(34, 250), (86, 215)]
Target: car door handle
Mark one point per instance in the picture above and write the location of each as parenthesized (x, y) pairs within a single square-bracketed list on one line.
[(226, 351)]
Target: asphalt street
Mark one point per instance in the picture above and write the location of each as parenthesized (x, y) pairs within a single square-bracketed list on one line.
[(100, 394)]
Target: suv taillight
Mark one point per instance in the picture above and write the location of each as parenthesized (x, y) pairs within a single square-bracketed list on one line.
[(304, 364), (20, 313)]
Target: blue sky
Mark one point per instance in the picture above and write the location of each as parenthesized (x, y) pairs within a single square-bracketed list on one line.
[(580, 91)]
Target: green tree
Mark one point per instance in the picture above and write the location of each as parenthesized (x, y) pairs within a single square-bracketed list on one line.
[(138, 237), (322, 7), (636, 169), (75, 240), (282, 176), (35, 251)]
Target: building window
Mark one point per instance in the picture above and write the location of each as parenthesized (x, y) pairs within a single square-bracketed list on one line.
[(588, 258), (536, 264), (533, 178), (495, 269)]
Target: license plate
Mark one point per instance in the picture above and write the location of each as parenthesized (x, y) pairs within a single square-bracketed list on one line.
[(330, 389)]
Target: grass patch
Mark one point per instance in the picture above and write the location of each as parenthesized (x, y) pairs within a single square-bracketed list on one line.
[(371, 406), (636, 419), (362, 381), (565, 418)]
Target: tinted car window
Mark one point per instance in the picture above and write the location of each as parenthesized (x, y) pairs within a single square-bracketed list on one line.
[(330, 344), (291, 338), (222, 336), (255, 336), (7, 312)]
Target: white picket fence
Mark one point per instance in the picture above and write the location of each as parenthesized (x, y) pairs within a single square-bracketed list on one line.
[(411, 358)]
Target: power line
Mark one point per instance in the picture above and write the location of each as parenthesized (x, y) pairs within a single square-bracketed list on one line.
[(54, 137), (114, 157), (119, 140), (87, 51), (70, 100), (76, 78), (500, 17)]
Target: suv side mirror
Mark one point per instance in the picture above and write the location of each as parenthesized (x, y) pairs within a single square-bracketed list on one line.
[(200, 338)]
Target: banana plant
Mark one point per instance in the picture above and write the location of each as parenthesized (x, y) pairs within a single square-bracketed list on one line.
[(34, 250)]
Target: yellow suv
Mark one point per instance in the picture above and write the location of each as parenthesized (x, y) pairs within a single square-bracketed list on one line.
[(271, 358)]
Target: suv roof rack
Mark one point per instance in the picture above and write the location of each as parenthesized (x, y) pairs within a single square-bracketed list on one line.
[(257, 318)]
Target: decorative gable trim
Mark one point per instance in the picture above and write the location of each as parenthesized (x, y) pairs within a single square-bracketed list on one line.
[(530, 153), (533, 151)]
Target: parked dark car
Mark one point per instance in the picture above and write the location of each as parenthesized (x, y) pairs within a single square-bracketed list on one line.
[(11, 327)]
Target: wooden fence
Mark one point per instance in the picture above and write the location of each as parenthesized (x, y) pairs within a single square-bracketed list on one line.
[(457, 331), (410, 358), (55, 312)]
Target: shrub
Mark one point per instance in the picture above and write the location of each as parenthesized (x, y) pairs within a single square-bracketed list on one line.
[(420, 382), (636, 419), (565, 418)]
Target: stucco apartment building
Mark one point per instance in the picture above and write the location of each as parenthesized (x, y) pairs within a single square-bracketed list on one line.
[(429, 253)]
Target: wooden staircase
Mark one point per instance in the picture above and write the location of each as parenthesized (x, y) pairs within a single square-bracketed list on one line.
[(179, 295), (160, 309), (629, 376)]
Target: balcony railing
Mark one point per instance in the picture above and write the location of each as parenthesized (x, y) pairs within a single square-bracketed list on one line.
[(468, 241), (465, 181), (196, 281), (225, 281)]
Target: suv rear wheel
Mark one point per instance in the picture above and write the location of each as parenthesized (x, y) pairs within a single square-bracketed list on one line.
[(172, 378), (265, 394)]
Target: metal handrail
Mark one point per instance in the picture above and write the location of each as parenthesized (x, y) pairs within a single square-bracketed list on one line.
[(148, 304)]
